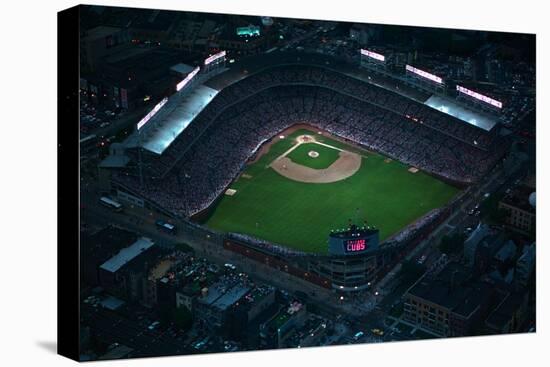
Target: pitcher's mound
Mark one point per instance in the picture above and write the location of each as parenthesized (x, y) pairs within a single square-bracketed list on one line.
[(313, 154)]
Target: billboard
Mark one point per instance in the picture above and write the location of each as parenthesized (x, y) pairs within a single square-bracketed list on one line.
[(214, 57), (480, 97), (424, 74), (373, 55), (353, 241), (187, 79), (153, 112)]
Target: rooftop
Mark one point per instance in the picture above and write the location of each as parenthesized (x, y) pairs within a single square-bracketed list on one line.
[(481, 231), (231, 297), (182, 68), (114, 161), (447, 106), (451, 290), (132, 66), (160, 269), (519, 198), (224, 293), (506, 252), (126, 255), (112, 303), (284, 315), (180, 110), (99, 246), (258, 293)]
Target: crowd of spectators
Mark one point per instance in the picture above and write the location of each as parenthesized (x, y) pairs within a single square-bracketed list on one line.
[(202, 162), (407, 233), (268, 246)]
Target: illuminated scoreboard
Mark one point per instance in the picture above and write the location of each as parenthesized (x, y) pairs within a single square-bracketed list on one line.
[(373, 55), (214, 58), (152, 113), (423, 74), (188, 78), (353, 241), (479, 97)]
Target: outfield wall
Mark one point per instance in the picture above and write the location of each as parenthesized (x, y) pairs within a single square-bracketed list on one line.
[(276, 262)]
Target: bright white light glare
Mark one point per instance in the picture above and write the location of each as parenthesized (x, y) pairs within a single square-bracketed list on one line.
[(187, 79), (481, 97), (424, 74), (214, 57), (153, 112), (373, 55)]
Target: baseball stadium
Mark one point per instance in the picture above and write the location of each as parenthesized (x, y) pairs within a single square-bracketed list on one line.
[(295, 160), (305, 184)]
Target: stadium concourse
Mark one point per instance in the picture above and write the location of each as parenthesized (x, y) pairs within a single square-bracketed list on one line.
[(211, 152)]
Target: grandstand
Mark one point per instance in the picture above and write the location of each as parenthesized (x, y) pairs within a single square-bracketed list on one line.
[(481, 120), (175, 116), (207, 156)]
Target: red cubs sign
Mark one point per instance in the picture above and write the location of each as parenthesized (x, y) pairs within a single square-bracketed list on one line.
[(356, 245)]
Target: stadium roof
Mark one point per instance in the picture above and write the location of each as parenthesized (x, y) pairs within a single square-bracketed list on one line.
[(182, 68), (180, 110), (449, 107), (127, 254), (248, 66)]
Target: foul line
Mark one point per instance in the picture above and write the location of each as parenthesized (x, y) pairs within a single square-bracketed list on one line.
[(328, 146), (311, 142)]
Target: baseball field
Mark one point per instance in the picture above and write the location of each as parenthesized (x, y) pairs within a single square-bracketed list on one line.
[(303, 185)]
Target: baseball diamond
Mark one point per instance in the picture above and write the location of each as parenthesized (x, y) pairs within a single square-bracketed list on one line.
[(290, 200)]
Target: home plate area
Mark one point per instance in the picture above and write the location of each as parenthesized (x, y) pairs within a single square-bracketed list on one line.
[(345, 163)]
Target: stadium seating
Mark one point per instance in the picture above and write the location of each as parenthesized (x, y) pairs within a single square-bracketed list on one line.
[(213, 150)]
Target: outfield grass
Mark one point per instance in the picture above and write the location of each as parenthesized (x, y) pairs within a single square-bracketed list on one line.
[(300, 215), (327, 156)]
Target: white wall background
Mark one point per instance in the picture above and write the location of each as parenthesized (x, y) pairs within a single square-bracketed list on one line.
[(28, 181)]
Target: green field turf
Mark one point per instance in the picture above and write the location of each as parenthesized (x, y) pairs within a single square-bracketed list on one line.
[(300, 215), (327, 156)]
